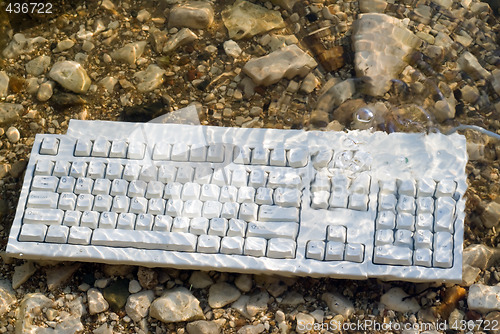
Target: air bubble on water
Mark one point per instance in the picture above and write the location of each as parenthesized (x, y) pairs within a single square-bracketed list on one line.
[(364, 115)]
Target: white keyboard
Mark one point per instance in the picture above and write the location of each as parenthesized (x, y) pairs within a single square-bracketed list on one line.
[(289, 202)]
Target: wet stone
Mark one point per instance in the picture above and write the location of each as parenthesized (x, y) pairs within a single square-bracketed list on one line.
[(45, 91), (397, 300), (129, 53), (338, 304), (96, 301), (176, 305), (244, 281), (191, 14), (150, 79), (63, 45), (67, 100), (221, 294), (491, 215), (13, 134), (483, 298), (4, 84), (71, 75), (203, 327), (304, 321), (116, 294), (56, 276), (181, 38), (22, 273), (137, 306), (232, 48), (200, 280)]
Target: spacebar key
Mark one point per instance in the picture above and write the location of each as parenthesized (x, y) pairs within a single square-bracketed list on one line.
[(389, 254), (175, 241)]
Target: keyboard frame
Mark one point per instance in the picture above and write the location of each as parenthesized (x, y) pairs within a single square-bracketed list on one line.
[(300, 266)]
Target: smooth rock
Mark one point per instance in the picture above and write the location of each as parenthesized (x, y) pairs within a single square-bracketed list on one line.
[(176, 305), (9, 112), (293, 298), (134, 286), (129, 53), (221, 294), (483, 298), (245, 19), (71, 75), (470, 94), (96, 301), (372, 6), (117, 269), (150, 79), (240, 305), (309, 83), (103, 329), (491, 215), (137, 306), (330, 100), (191, 14), (200, 280), (87, 46), (251, 329), (7, 296), (116, 294), (469, 275), (108, 83), (21, 45), (13, 134), (444, 110), (285, 4), (203, 327), (63, 45), (244, 281), (45, 91), (337, 303), (59, 275), (495, 80), (381, 44), (29, 310), (181, 38), (232, 48), (4, 84), (285, 63), (469, 63), (22, 273), (257, 303), (480, 256), (396, 299), (143, 15), (38, 66), (32, 85), (304, 322)]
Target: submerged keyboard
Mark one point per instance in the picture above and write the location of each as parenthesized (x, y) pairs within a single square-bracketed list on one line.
[(348, 205)]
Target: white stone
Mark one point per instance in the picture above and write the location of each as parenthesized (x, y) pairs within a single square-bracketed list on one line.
[(483, 298), (4, 84), (381, 43), (372, 6), (38, 65), (7, 296), (137, 306), (143, 15), (203, 327), (129, 53), (444, 109), (480, 256), (23, 272), (108, 83), (134, 286), (285, 63), (245, 19), (9, 112), (176, 305), (305, 323), (232, 48), (28, 311), (200, 280), (309, 83), (60, 274), (257, 303), (251, 329), (491, 215), (103, 329), (191, 14), (240, 305), (150, 79), (244, 281), (221, 294), (21, 45), (470, 94), (181, 38), (87, 46), (469, 63), (396, 299), (71, 75), (495, 80), (337, 303), (469, 275), (96, 301), (293, 298), (32, 85), (45, 91), (63, 45)]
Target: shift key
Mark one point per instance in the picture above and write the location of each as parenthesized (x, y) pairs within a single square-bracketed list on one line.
[(43, 216), (274, 213)]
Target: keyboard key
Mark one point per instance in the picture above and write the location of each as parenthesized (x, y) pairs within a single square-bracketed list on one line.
[(338, 200), (89, 219), (239, 178), (354, 252), (184, 174), (257, 178), (182, 242), (138, 205), (358, 202), (241, 155), (322, 158), (283, 179), (321, 183), (361, 184), (211, 209), (405, 221), (425, 205), (137, 188), (228, 194), (334, 251), (272, 213), (162, 151), (108, 220), (384, 237), (389, 254), (336, 233), (136, 150), (78, 169), (131, 172), (387, 187), (215, 153), (281, 248), (387, 202), (422, 257), (83, 148), (406, 187), (315, 250), (72, 218), (167, 173), (443, 250), (232, 245), (174, 207), (180, 152), (190, 191), (84, 202), (144, 222), (319, 199), (42, 199), (79, 235), (446, 188), (444, 220), (96, 170), (210, 192), (386, 220), (57, 234), (406, 204), (148, 173), (126, 221), (248, 211), (35, 232), (61, 168), (425, 221), (155, 190), (118, 149), (156, 206), (173, 190), (264, 196), (230, 210), (288, 197), (199, 225), (49, 146), (83, 185), (199, 153), (270, 230), (101, 147), (114, 171), (221, 177), (403, 238), (246, 195), (237, 228), (255, 247), (218, 226), (208, 244), (67, 201), (277, 157), (423, 239), (260, 156), (119, 187), (297, 157), (162, 223), (192, 208), (426, 187), (120, 204), (203, 175), (101, 187)]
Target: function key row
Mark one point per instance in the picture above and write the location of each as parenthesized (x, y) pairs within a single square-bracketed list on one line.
[(278, 156), (424, 187)]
